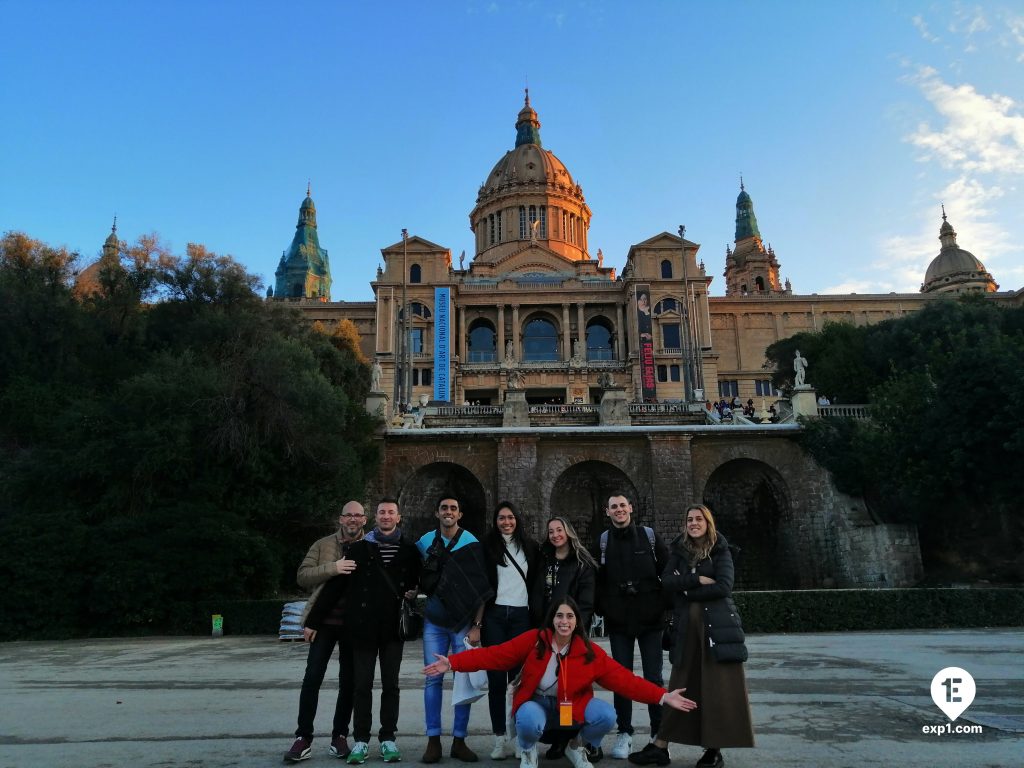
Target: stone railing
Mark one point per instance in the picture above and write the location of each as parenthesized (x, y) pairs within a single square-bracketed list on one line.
[(562, 409), (467, 411), (859, 411), (643, 408)]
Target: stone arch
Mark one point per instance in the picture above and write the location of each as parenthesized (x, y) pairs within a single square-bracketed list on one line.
[(420, 492), (753, 509), (580, 492)]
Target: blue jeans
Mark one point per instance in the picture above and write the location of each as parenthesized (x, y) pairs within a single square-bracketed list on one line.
[(541, 712), (501, 623), (439, 640)]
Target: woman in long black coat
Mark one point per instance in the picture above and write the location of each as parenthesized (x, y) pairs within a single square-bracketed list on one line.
[(707, 647)]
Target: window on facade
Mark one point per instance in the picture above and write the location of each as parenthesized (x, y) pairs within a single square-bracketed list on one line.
[(670, 336), (482, 343), (728, 388), (522, 222), (599, 341), (498, 217), (540, 341), (416, 340), (760, 283), (666, 268), (417, 310), (673, 372), (415, 274), (666, 305), (662, 373), (491, 228), (763, 387), (565, 225), (543, 221), (422, 377)]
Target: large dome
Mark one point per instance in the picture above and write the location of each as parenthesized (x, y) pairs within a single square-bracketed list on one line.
[(529, 197), (955, 269)]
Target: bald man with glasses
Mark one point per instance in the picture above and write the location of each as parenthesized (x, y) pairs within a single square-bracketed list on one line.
[(325, 560)]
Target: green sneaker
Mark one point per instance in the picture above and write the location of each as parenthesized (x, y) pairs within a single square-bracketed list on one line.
[(358, 754), (389, 751)]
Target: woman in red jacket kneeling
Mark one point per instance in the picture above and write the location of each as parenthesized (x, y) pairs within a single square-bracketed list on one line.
[(559, 669)]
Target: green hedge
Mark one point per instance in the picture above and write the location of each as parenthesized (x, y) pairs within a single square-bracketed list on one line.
[(815, 610), (837, 610)]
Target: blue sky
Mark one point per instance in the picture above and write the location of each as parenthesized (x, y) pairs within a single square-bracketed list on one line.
[(203, 121)]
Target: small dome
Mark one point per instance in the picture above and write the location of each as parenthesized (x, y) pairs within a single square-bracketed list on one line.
[(955, 269), (527, 164)]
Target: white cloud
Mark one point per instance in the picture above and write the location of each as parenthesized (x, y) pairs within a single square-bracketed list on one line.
[(922, 27), (979, 133)]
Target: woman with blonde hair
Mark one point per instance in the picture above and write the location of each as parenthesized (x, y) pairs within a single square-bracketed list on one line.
[(566, 570), (707, 647)]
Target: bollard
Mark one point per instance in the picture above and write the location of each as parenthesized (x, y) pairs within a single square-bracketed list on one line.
[(218, 625)]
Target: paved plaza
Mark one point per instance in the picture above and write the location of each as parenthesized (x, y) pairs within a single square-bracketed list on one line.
[(836, 699)]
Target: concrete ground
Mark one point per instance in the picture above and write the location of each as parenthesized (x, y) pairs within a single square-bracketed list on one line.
[(850, 699)]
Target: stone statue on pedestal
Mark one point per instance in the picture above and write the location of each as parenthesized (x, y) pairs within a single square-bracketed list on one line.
[(800, 368)]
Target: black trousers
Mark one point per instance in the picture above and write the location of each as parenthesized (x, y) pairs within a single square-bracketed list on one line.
[(365, 657), (651, 659), (320, 652), (501, 623)]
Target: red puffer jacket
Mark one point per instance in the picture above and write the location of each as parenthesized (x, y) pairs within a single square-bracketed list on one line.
[(579, 675)]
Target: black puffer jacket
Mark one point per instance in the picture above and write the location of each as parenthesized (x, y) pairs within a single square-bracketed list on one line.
[(722, 626)]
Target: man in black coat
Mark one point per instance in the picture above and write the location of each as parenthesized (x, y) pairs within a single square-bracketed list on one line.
[(387, 568), (630, 560)]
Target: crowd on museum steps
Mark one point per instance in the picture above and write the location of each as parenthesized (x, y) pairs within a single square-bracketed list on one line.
[(521, 613)]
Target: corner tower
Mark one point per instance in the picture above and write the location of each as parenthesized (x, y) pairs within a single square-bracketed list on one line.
[(529, 197), (750, 267), (304, 271), (955, 270)]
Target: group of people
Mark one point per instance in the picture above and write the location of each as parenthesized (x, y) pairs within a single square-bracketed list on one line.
[(522, 610)]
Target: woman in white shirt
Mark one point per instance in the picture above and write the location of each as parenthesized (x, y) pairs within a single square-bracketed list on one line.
[(512, 565)]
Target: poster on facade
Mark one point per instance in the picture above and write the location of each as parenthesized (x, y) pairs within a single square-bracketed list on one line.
[(442, 334), (648, 382)]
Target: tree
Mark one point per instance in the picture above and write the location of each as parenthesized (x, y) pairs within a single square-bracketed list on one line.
[(189, 443), (946, 435)]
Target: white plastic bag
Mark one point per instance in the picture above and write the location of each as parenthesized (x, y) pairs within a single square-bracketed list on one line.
[(468, 686)]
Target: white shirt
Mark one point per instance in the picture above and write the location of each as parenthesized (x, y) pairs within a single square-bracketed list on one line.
[(511, 586)]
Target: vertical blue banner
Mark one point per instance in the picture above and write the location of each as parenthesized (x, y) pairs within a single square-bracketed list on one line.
[(442, 335)]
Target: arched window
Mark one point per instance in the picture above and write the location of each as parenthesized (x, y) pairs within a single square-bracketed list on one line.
[(522, 222), (540, 341), (599, 340), (491, 221), (666, 268), (498, 217), (666, 305), (482, 342), (417, 310), (543, 221), (760, 283), (415, 274)]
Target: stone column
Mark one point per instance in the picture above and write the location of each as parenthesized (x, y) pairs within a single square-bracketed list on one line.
[(566, 338), (462, 333), (515, 333), (620, 333), (581, 328), (501, 333)]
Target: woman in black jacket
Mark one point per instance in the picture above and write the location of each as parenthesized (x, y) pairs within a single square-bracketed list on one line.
[(512, 563), (566, 568), (707, 647)]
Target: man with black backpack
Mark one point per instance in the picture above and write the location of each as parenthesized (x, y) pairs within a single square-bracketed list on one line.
[(454, 578), (630, 560)]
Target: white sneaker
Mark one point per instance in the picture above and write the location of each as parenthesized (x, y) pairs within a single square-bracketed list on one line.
[(578, 756), (502, 747), (623, 746), (529, 758)]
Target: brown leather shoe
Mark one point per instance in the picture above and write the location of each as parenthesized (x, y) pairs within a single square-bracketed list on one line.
[(460, 751), (432, 754)]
